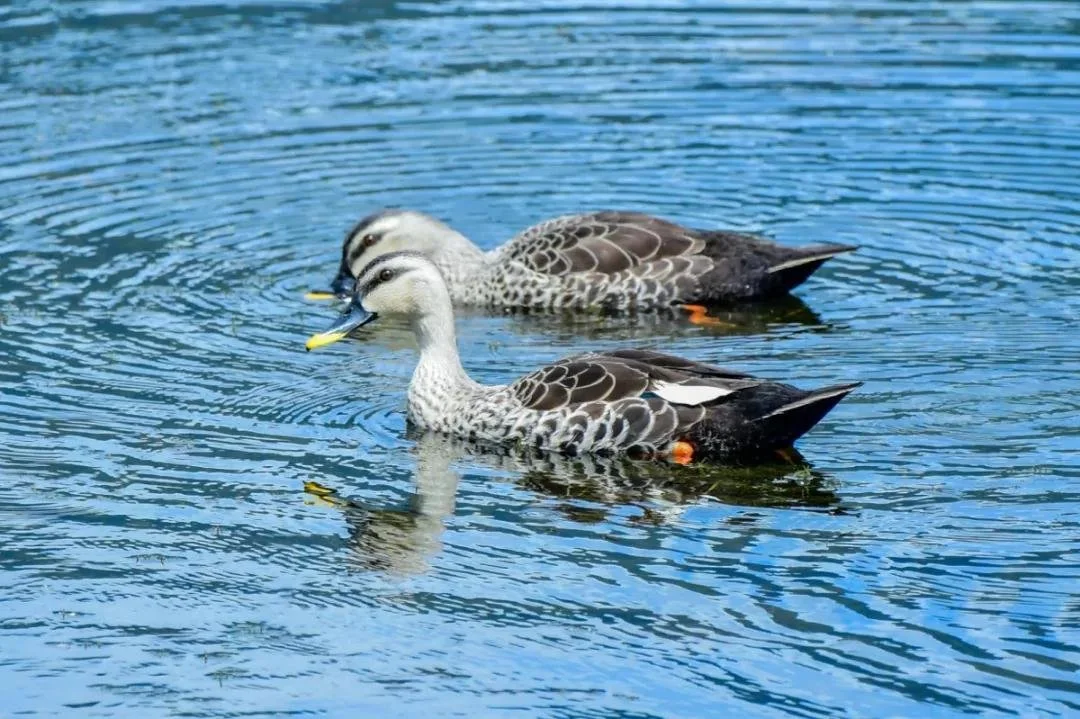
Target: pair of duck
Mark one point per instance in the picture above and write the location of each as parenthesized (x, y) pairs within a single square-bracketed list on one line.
[(635, 402)]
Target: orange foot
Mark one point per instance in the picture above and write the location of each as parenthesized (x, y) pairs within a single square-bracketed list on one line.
[(699, 315), (682, 453)]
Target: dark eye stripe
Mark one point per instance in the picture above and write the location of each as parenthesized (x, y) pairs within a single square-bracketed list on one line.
[(371, 273), (378, 279), (357, 247), (353, 246)]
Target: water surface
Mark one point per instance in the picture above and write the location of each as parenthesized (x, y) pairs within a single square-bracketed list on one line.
[(175, 175)]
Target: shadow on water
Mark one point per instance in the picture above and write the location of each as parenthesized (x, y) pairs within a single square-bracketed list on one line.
[(587, 489)]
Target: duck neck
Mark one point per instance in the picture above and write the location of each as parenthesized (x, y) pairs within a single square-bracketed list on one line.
[(439, 376), (458, 259)]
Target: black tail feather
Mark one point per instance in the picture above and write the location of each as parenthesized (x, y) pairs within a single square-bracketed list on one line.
[(756, 422), (792, 271), (794, 419)]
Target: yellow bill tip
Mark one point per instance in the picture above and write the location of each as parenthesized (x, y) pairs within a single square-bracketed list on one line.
[(315, 488), (319, 295), (323, 495), (322, 339)]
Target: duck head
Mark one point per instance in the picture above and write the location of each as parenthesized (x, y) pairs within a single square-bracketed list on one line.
[(398, 284), (383, 233)]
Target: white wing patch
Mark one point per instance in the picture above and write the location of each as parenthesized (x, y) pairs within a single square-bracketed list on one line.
[(687, 394)]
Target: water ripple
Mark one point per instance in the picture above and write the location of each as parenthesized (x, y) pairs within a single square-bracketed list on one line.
[(179, 173)]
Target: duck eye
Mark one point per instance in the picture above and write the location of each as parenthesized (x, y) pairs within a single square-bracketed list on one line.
[(386, 275), (369, 240)]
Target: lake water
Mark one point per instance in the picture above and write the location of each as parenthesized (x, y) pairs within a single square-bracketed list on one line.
[(197, 518)]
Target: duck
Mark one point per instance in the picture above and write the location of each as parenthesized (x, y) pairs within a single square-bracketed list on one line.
[(612, 261), (635, 402)]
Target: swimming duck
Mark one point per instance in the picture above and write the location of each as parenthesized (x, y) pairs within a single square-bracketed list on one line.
[(635, 402), (620, 261)]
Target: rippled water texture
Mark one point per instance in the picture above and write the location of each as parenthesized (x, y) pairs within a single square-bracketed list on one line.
[(174, 175)]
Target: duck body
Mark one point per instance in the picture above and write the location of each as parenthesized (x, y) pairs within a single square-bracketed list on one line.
[(635, 402), (612, 260), (625, 402)]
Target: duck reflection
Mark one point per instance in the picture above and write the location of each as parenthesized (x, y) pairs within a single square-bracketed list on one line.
[(400, 540), (745, 319), (748, 319), (662, 490), (587, 489)]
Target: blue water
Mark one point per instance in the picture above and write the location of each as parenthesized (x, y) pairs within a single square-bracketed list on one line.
[(173, 177)]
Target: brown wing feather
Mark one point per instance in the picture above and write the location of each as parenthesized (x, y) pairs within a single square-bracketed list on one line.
[(620, 374), (576, 380), (605, 242), (659, 360)]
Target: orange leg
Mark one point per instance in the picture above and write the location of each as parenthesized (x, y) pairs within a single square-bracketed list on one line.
[(682, 452), (788, 455), (699, 315)]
